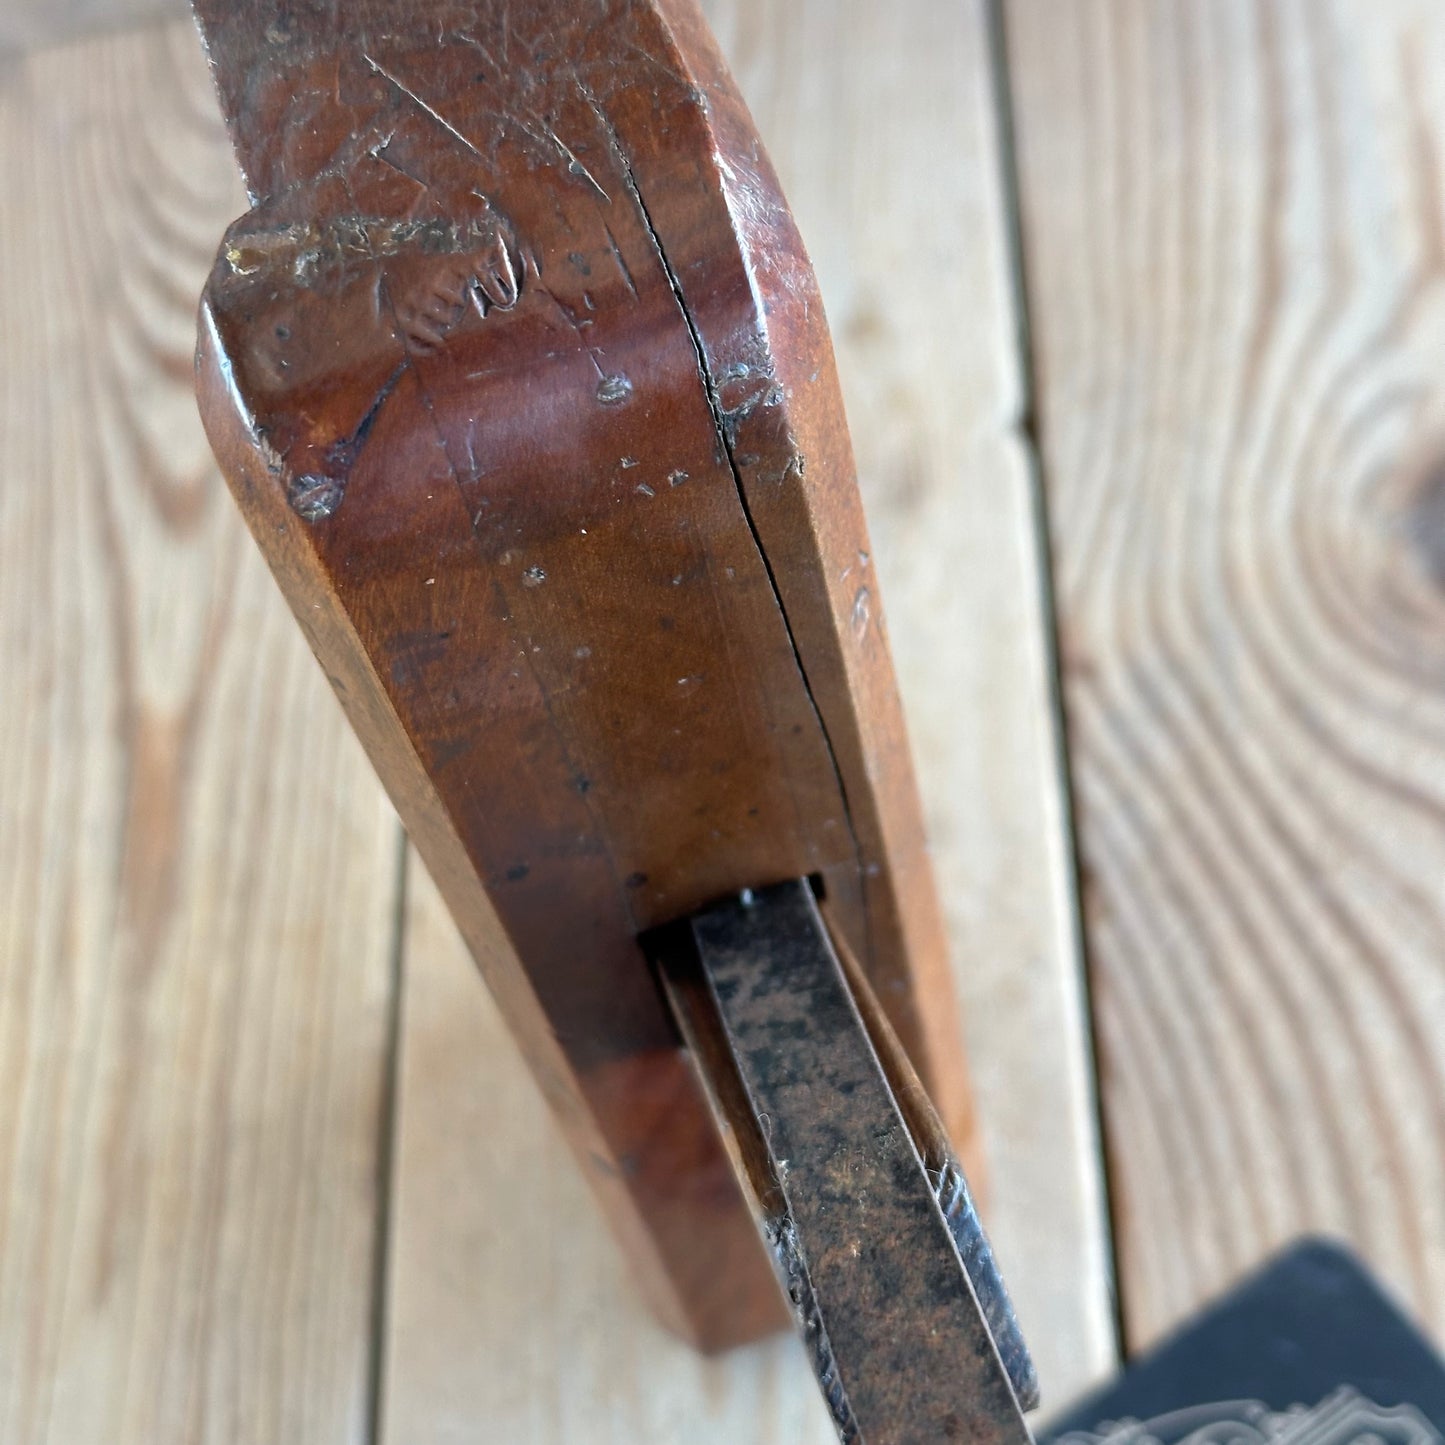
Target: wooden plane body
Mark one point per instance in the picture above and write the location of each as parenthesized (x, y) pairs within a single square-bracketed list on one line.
[(519, 373)]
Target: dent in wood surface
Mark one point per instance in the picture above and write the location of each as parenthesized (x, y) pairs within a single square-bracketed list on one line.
[(380, 290)]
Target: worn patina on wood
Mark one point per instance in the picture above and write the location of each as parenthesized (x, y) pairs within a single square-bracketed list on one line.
[(518, 371)]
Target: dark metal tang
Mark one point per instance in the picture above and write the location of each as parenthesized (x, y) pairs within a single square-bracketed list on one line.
[(865, 1211)]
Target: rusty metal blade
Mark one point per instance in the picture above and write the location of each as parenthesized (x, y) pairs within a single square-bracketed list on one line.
[(950, 1184), (903, 1348)]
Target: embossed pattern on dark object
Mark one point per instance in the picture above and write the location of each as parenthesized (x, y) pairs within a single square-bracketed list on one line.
[(901, 1345)]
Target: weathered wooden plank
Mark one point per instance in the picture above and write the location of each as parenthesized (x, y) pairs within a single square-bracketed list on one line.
[(199, 870), (509, 1313), (1232, 220)]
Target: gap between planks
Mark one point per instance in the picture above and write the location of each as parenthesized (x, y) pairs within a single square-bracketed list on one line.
[(1028, 430)]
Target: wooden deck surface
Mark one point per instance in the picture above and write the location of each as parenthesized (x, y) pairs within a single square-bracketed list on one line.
[(1156, 478)]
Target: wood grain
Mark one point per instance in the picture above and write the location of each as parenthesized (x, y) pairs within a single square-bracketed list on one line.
[(891, 178), (199, 871), (508, 1304), (1232, 219)]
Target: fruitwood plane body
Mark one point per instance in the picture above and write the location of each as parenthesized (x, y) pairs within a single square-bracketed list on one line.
[(518, 371)]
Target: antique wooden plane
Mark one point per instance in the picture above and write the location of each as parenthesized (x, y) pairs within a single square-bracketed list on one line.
[(518, 371)]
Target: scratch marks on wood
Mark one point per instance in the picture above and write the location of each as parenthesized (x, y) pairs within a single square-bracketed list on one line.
[(421, 104), (621, 261), (318, 252), (862, 608), (574, 166), (379, 152), (307, 303), (315, 496)]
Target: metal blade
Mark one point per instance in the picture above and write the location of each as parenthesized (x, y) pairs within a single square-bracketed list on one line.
[(874, 1238)]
